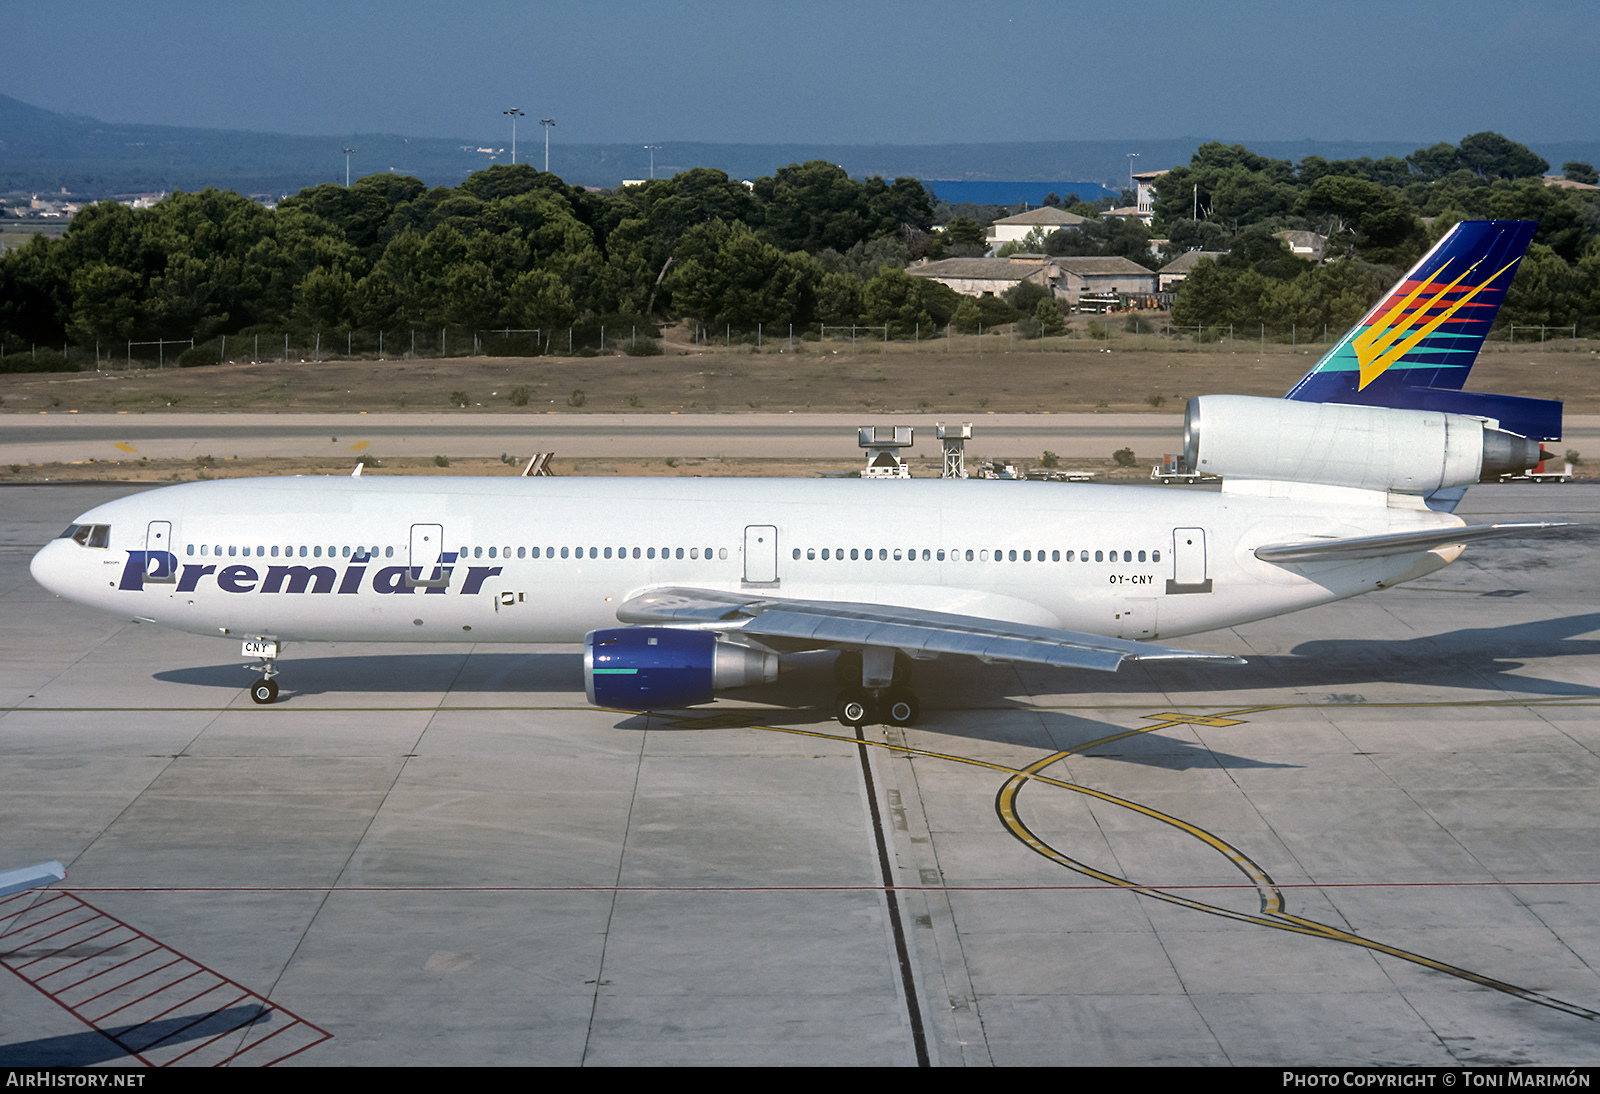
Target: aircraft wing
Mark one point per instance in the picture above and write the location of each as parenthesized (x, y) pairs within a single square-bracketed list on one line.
[(1396, 543), (793, 625)]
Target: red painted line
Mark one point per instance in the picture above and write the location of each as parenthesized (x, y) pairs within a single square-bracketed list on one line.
[(28, 935), (55, 952), (52, 934), (179, 1003), (154, 947), (326, 1036), (212, 1040), (47, 919), (118, 987), (253, 1045), (42, 904), (212, 1013), (92, 956)]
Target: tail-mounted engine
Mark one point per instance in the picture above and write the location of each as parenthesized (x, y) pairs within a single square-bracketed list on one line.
[(1337, 444), (656, 668)]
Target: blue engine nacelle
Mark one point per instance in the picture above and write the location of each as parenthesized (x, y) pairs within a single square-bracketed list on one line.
[(662, 668)]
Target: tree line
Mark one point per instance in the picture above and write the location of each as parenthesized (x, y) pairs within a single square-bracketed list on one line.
[(510, 247), (516, 248), (1379, 217)]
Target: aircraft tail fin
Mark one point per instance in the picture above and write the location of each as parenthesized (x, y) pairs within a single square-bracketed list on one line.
[(1414, 349)]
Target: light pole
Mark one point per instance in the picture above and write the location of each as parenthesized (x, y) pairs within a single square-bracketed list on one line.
[(652, 148), (515, 114), (347, 152), (547, 123)]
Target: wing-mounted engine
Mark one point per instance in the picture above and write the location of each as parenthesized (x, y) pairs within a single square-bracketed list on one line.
[(1339, 444), (661, 668)]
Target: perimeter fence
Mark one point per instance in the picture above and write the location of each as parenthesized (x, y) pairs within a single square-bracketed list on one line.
[(1073, 333)]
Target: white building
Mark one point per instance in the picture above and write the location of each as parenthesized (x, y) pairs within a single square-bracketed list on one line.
[(1072, 277), (1306, 245), (1144, 207), (1067, 278), (1182, 266), (1144, 187), (976, 276), (1014, 229)]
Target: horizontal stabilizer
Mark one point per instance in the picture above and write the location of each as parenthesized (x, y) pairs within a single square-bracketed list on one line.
[(1398, 543), (1538, 419), (821, 624)]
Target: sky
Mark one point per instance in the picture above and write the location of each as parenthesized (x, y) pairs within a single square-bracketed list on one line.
[(823, 71)]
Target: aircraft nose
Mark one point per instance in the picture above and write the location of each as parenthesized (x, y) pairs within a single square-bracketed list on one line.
[(51, 566)]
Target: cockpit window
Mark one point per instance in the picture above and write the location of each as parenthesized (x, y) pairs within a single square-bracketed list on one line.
[(88, 535)]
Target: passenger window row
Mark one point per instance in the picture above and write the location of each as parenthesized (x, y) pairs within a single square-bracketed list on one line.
[(911, 554), (363, 554), (359, 554), (97, 535), (597, 552)]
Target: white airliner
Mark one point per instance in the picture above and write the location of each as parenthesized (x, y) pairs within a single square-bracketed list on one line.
[(1344, 487)]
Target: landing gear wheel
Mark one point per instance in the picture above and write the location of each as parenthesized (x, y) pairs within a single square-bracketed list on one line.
[(264, 690), (901, 708), (854, 709)]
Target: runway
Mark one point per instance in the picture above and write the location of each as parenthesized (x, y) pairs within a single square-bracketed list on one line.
[(44, 438), (1377, 843), (47, 438)]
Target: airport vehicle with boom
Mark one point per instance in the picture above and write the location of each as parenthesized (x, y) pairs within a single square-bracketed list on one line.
[(679, 589)]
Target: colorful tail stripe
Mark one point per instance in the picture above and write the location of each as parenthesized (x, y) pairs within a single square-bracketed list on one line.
[(1413, 350), (1426, 332)]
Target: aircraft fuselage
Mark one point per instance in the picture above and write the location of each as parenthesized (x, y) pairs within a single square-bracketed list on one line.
[(547, 560)]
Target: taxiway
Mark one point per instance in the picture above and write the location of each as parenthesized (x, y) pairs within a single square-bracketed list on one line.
[(1378, 843)]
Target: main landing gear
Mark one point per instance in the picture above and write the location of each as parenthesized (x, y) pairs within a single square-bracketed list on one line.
[(860, 705)]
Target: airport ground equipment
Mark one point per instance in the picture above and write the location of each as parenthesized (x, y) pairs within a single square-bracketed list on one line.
[(1544, 471), (1041, 474), (953, 439), (1172, 471), (1008, 471), (884, 445)]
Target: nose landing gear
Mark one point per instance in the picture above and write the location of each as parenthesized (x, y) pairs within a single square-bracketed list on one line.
[(265, 690)]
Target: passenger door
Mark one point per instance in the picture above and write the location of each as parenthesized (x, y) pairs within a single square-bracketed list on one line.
[(1189, 570), (427, 545), (160, 558), (761, 554)]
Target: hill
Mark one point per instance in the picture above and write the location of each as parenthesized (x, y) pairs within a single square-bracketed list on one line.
[(43, 151)]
